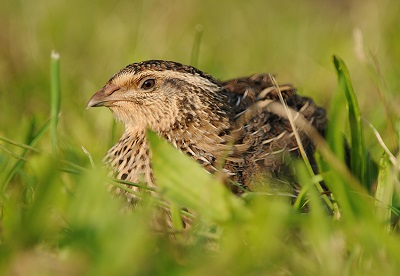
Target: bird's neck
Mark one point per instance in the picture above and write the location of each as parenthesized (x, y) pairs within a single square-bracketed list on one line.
[(130, 157)]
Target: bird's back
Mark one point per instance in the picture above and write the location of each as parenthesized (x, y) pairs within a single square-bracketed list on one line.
[(263, 137)]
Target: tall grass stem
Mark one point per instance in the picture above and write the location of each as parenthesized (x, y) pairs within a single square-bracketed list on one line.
[(55, 97)]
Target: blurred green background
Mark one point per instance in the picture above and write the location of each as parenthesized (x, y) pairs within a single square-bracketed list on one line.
[(59, 223), (293, 39)]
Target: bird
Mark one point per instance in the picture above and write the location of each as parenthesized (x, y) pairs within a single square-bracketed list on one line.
[(237, 128)]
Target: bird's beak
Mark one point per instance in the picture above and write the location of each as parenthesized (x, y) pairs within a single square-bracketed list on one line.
[(104, 97)]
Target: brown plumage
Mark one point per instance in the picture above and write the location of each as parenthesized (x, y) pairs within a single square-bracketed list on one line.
[(215, 122)]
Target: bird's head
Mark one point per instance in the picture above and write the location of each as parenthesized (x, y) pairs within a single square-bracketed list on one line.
[(156, 94)]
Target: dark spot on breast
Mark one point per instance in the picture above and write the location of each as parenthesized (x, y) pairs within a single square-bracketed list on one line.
[(222, 133), (183, 102), (191, 106), (189, 118), (124, 176), (175, 126)]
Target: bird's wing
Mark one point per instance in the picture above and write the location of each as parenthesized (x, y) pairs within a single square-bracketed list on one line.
[(248, 94), (262, 132)]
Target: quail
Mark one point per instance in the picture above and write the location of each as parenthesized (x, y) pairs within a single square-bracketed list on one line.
[(226, 126)]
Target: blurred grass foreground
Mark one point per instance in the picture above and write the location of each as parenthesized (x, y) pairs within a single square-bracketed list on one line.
[(57, 216)]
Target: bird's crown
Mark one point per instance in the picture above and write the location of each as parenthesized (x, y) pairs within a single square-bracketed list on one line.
[(162, 65)]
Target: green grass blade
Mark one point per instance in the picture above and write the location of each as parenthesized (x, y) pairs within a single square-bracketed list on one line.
[(352, 198), (11, 153), (337, 125), (32, 140), (358, 150), (55, 97), (196, 45), (335, 181), (186, 184), (176, 217), (11, 142), (89, 156), (384, 189), (395, 211)]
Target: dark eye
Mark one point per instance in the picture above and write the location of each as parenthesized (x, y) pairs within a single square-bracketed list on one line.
[(148, 84)]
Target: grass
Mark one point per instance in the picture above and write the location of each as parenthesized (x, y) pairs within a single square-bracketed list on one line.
[(57, 216)]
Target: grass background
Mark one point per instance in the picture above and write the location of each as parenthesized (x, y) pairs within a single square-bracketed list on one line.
[(55, 221)]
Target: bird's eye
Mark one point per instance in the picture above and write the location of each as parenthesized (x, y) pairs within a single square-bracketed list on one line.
[(148, 84)]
